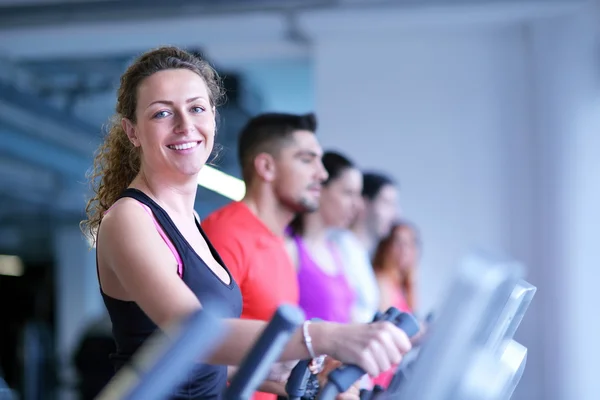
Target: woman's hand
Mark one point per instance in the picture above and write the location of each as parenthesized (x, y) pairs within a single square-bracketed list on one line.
[(374, 347)]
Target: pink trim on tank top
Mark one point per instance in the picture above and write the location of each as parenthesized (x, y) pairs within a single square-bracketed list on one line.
[(163, 235)]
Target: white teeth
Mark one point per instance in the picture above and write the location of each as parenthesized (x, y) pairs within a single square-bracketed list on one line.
[(183, 146)]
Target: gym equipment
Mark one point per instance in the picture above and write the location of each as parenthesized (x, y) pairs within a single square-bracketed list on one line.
[(466, 354), (298, 380), (164, 361), (269, 346), (302, 382), (511, 353), (5, 392), (301, 377), (343, 377)]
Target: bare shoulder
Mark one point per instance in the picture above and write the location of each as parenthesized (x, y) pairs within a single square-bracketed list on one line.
[(127, 219), (133, 249), (125, 213), (128, 237)]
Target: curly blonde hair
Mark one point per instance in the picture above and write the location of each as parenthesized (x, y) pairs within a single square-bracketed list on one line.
[(117, 161)]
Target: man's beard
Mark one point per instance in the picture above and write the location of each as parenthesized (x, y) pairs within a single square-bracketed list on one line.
[(307, 206), (301, 206)]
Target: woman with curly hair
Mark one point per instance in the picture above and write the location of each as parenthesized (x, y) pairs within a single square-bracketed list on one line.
[(155, 264)]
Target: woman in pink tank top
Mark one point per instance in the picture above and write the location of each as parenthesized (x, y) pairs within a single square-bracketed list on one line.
[(395, 265), (324, 289)]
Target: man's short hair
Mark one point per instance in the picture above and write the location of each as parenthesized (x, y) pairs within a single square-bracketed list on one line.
[(267, 133)]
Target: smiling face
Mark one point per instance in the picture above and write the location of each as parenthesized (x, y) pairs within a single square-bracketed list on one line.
[(174, 123)]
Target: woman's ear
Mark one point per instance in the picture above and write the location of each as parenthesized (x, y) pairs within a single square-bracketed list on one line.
[(131, 131), (264, 164)]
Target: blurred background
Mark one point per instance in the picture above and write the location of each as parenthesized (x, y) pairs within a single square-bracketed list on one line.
[(487, 113)]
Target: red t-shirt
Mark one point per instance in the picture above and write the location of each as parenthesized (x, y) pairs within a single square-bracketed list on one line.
[(258, 261)]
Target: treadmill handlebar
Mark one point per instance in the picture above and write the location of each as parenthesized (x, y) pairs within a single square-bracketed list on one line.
[(297, 382), (295, 386), (166, 358), (266, 351), (343, 377)]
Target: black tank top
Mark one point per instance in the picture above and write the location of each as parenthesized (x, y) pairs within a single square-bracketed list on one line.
[(131, 326)]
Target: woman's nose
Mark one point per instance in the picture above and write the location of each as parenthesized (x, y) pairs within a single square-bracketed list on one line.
[(184, 124)]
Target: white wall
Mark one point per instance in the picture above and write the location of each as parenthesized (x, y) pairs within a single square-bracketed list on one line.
[(568, 95), (446, 113), (428, 112)]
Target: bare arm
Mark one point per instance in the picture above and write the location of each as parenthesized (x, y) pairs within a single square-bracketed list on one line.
[(146, 270), (243, 333), (268, 386)]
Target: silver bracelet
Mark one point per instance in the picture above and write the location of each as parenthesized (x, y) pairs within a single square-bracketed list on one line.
[(308, 339), (317, 364)]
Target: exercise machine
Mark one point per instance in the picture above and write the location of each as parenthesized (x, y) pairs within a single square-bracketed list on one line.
[(165, 359), (301, 383), (266, 351), (6, 393), (469, 352)]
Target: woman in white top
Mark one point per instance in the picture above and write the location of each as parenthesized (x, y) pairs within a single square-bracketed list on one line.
[(374, 221)]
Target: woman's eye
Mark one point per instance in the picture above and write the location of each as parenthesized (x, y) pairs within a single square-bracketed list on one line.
[(197, 109), (161, 114)]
